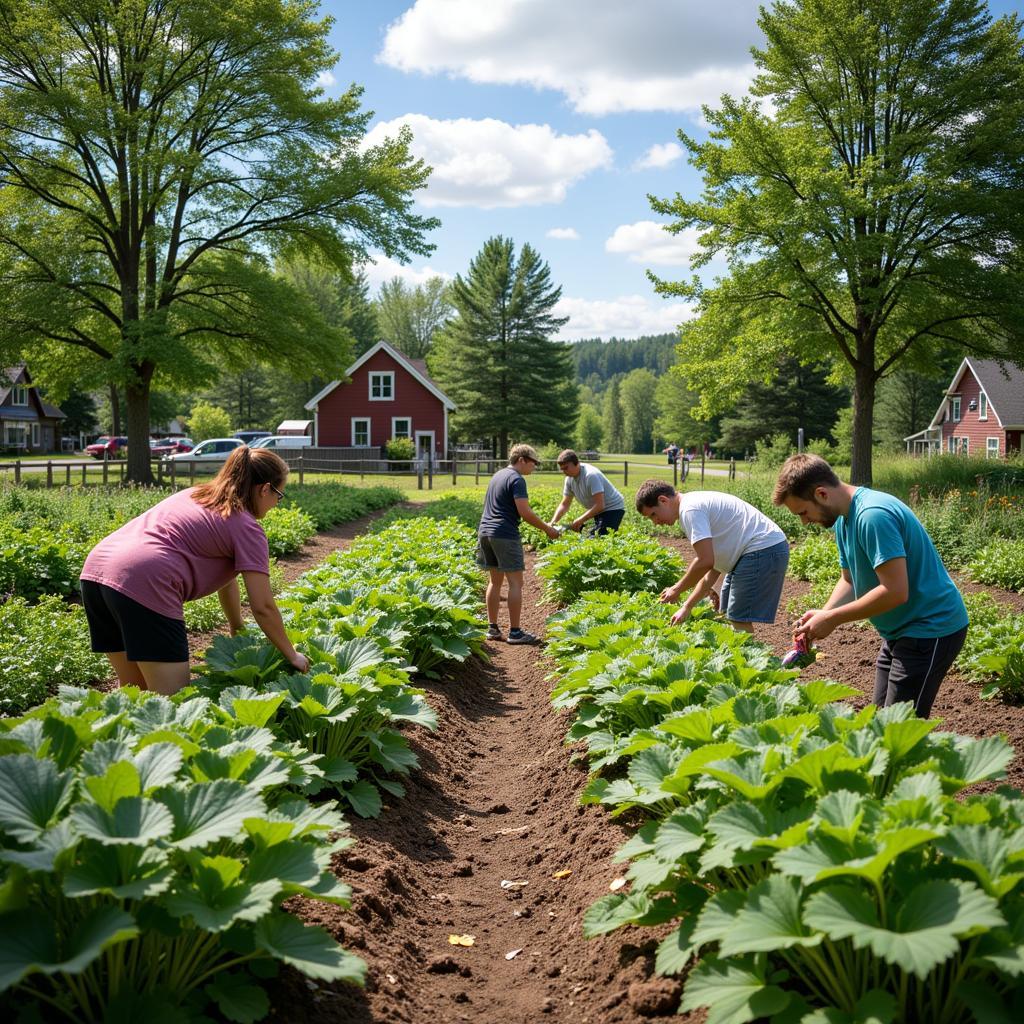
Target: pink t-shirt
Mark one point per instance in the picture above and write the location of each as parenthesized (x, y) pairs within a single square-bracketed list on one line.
[(178, 551)]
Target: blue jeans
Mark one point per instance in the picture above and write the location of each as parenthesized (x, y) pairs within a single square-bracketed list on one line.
[(752, 590)]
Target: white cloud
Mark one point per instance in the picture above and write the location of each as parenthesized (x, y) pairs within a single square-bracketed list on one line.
[(566, 234), (647, 242), (628, 316), (383, 268), (490, 163), (326, 79), (601, 54), (659, 155)]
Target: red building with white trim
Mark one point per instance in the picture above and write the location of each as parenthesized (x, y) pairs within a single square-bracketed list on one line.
[(982, 413), (387, 395)]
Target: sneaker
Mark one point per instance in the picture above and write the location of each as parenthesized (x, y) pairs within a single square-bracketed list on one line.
[(494, 633), (519, 636)]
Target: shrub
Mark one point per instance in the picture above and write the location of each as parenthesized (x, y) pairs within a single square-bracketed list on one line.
[(773, 451), (992, 652), (815, 558), (1001, 564), (287, 529), (400, 449)]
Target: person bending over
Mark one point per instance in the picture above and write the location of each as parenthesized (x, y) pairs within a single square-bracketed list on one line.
[(593, 490), (891, 575), (729, 537), (136, 581)]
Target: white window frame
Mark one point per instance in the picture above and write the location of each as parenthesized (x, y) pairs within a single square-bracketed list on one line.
[(378, 377), (369, 428), (952, 444), (19, 395), (425, 434), (15, 434), (990, 452), (954, 408), (965, 446), (982, 406), (407, 420), (35, 435)]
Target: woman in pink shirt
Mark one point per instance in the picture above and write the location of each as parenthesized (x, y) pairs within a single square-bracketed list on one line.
[(136, 581)]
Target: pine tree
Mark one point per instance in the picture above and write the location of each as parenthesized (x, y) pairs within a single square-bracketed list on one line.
[(496, 358), (614, 439)]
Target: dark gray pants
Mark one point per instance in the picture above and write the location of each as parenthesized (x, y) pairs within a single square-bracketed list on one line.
[(912, 669)]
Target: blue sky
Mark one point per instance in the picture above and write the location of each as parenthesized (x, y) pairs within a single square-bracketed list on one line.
[(550, 121)]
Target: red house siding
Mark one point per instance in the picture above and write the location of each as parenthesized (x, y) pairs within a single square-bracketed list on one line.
[(347, 401), (971, 426)]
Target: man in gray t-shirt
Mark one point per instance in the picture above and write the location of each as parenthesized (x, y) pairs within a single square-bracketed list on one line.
[(593, 490)]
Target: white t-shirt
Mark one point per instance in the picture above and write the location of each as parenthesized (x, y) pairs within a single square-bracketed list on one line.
[(590, 481), (734, 527)]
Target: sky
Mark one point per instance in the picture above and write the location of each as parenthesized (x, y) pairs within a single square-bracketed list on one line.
[(550, 122)]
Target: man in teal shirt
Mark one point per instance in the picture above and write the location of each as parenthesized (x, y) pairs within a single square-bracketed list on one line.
[(891, 575)]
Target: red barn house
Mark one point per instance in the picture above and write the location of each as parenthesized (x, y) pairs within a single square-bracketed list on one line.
[(982, 413), (387, 395)]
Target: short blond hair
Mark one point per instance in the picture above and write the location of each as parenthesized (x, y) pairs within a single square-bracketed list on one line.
[(523, 451)]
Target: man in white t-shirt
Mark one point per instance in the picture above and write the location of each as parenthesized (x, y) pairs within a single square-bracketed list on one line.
[(730, 537), (600, 499)]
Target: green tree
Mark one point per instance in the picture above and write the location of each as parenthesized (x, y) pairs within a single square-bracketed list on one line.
[(589, 429), (870, 208), (409, 317), (496, 357), (639, 409), (208, 420), (156, 159), (676, 422), (614, 429)]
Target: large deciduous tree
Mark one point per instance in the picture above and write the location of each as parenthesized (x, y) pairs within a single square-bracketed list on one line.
[(497, 358), (866, 196), (639, 409), (157, 157), (409, 316)]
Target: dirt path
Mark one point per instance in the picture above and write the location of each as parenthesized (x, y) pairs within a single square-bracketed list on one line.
[(495, 801)]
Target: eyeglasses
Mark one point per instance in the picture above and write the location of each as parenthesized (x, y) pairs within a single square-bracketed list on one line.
[(280, 494)]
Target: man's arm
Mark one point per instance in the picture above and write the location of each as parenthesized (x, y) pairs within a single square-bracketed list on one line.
[(563, 507), (231, 602), (700, 566), (531, 517), (595, 510), (893, 590), (698, 594)]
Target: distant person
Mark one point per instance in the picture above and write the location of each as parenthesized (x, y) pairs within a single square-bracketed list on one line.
[(730, 538), (136, 580), (499, 546), (601, 502), (672, 451), (891, 575)]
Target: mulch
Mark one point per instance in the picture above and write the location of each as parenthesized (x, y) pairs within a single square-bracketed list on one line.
[(495, 800)]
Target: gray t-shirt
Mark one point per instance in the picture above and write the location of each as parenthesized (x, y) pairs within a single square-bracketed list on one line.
[(591, 481)]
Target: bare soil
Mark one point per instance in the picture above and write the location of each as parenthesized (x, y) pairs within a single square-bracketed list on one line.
[(495, 801)]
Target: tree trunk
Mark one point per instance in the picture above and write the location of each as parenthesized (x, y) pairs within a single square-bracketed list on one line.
[(115, 411), (863, 423), (140, 469), (503, 445)]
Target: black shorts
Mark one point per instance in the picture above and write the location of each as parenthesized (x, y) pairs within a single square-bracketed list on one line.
[(117, 623), (911, 669)]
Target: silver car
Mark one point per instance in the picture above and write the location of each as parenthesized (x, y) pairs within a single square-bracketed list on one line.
[(213, 450)]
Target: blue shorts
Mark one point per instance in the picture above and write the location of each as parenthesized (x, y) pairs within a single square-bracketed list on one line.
[(752, 591)]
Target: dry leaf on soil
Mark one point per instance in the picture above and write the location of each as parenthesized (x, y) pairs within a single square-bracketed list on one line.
[(461, 940)]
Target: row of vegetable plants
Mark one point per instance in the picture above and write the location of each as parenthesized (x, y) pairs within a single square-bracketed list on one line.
[(809, 862), (148, 842)]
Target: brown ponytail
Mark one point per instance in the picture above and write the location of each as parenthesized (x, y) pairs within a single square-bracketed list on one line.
[(233, 488)]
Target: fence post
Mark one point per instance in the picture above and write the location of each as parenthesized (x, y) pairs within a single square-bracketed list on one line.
[(17, 471), (419, 475), (702, 467), (174, 474), (430, 471), (124, 470), (455, 471), (301, 470), (625, 472), (67, 482), (732, 469), (105, 469), (675, 472), (49, 473), (84, 468), (477, 480)]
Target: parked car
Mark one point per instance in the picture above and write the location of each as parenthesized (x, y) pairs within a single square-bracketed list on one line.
[(248, 436), (170, 445), (283, 441), (211, 451), (107, 447)]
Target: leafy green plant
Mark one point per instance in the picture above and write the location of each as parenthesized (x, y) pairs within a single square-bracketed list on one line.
[(329, 504), (815, 558), (400, 449), (146, 847), (1000, 563), (287, 529), (206, 614)]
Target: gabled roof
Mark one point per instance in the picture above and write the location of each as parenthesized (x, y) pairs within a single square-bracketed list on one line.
[(1001, 381), (20, 374), (415, 367)]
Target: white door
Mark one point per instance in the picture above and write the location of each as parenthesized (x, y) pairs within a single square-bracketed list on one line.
[(424, 444)]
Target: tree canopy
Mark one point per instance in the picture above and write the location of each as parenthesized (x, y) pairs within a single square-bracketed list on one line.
[(408, 317), (497, 358), (866, 196), (156, 159)]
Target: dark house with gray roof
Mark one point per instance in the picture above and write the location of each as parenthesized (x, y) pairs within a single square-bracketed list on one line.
[(981, 414), (28, 424)]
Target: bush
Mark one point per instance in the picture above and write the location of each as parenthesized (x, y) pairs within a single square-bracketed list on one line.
[(329, 504), (287, 529), (207, 421), (992, 652), (816, 558), (773, 451), (1001, 564), (400, 449), (41, 647)]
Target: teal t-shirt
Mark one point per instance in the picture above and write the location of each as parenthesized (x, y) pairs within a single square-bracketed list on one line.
[(878, 528)]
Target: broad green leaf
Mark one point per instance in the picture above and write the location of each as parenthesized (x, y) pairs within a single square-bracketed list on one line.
[(32, 794), (237, 998), (682, 832), (975, 760), (257, 711), (309, 950), (769, 920), (823, 691), (874, 1007), (888, 846), (31, 942), (718, 916), (121, 779), (926, 928), (810, 859), (736, 992), (208, 811), (135, 821), (364, 798), (611, 912), (158, 764), (677, 949), (45, 850), (697, 726), (900, 738), (131, 874), (841, 814), (983, 851)]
